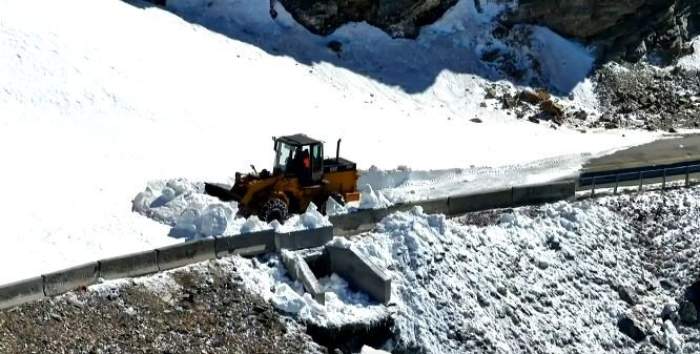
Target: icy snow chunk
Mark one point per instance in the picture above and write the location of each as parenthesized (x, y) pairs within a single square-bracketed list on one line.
[(371, 199), (334, 208), (287, 300), (167, 194), (341, 242), (215, 220), (254, 224), (369, 350), (311, 219)]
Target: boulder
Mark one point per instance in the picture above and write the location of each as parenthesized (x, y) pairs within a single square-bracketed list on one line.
[(552, 108), (533, 97)]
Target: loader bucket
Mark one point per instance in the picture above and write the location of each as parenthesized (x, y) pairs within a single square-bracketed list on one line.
[(220, 191)]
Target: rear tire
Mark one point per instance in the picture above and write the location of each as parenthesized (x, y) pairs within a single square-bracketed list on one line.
[(274, 209)]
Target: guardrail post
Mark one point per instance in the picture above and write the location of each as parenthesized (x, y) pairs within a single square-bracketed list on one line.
[(663, 182), (687, 176), (617, 182), (593, 188), (641, 181)]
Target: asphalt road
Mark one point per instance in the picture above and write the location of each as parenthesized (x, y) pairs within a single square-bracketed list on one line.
[(662, 152)]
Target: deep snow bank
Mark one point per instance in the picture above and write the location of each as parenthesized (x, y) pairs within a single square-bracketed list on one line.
[(544, 279), (405, 184)]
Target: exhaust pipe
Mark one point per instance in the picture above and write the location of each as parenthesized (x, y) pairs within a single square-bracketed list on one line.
[(337, 151)]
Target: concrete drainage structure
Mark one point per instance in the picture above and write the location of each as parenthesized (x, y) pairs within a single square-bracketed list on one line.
[(344, 261)]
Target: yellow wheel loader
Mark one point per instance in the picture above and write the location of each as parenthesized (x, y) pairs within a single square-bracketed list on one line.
[(300, 176)]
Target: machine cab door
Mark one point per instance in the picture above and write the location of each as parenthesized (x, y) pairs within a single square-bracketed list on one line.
[(316, 163)]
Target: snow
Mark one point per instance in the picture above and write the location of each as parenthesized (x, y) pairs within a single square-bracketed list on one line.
[(311, 219), (370, 350), (692, 61), (93, 107), (541, 278), (533, 279), (370, 199), (564, 63), (335, 208), (405, 184), (342, 305), (192, 213)]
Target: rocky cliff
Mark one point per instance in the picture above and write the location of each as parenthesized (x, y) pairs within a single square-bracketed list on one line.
[(399, 18), (622, 29)]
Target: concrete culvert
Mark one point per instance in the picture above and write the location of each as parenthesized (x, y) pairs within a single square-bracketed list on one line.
[(352, 337)]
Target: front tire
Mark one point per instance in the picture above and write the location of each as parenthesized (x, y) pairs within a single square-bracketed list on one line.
[(274, 209)]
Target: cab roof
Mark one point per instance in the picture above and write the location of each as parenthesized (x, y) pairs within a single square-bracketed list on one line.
[(298, 140)]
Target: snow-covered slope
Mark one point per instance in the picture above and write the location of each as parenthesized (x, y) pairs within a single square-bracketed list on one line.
[(97, 97), (548, 279)]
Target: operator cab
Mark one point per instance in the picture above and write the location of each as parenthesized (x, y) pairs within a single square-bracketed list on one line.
[(300, 156)]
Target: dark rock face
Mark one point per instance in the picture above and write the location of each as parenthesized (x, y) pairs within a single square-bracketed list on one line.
[(624, 29), (630, 326), (399, 18)]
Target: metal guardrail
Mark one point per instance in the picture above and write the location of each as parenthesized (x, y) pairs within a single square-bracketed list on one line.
[(641, 177)]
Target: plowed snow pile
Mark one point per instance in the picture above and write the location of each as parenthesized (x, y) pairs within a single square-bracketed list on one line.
[(191, 213), (561, 278)]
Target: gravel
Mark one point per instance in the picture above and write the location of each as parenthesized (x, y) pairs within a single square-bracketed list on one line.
[(200, 309)]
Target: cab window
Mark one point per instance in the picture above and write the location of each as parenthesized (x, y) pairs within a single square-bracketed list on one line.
[(317, 156)]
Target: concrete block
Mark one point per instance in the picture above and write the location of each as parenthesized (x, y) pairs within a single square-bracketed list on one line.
[(250, 244), (303, 239), (131, 265), (434, 206), (360, 272), (348, 224), (299, 270), (70, 279), (21, 292), (480, 201), (545, 193), (186, 253)]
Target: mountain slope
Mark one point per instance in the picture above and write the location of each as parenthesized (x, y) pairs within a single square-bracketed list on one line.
[(97, 97)]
